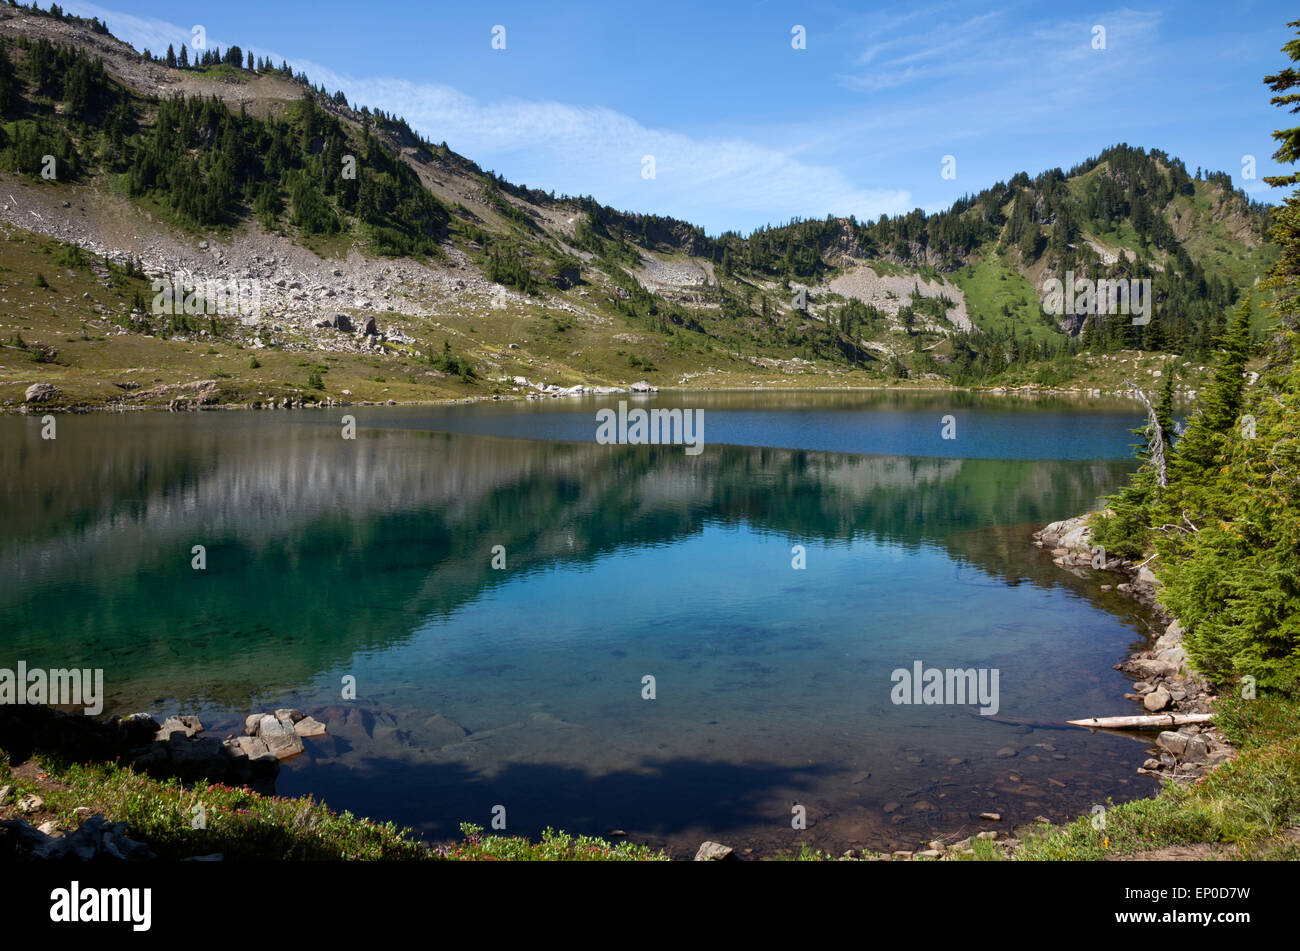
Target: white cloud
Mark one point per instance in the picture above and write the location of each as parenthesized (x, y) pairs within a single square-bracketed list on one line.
[(599, 151)]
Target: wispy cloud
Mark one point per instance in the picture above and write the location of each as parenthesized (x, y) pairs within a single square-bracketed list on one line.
[(1008, 58)]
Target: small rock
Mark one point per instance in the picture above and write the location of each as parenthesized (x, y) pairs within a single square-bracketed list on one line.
[(138, 728), (991, 816), (30, 803), (186, 725), (40, 393), (1006, 752), (309, 726), (715, 852)]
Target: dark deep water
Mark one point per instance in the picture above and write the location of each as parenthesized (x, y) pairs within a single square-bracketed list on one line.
[(373, 558)]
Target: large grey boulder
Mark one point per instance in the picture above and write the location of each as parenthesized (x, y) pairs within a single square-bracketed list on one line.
[(1150, 667), (1197, 751), (280, 737), (1156, 700), (249, 747), (1176, 655), (1172, 741)]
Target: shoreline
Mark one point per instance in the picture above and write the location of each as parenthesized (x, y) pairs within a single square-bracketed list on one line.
[(1166, 682), (33, 407)]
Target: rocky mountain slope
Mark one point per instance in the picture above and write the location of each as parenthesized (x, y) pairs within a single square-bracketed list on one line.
[(422, 276)]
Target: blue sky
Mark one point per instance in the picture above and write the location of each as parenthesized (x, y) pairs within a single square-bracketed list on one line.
[(745, 130)]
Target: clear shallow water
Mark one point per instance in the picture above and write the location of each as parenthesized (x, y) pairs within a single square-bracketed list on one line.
[(372, 558)]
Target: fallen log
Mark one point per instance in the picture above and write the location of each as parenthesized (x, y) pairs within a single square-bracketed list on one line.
[(1143, 722)]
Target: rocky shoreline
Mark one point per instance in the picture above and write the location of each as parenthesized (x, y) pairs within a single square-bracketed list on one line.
[(1165, 681), (204, 395), (174, 748)]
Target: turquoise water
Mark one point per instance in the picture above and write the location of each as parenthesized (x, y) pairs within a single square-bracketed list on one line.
[(522, 686)]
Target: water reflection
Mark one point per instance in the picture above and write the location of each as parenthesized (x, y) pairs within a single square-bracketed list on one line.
[(373, 558)]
